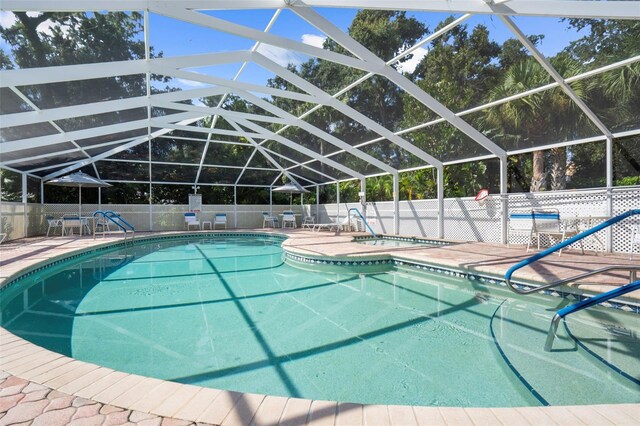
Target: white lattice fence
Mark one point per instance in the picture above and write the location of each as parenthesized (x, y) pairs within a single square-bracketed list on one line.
[(464, 218)]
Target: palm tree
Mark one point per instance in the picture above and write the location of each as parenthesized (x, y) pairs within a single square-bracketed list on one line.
[(548, 115)]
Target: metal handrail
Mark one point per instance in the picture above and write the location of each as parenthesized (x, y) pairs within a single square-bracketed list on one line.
[(363, 220), (585, 304), (116, 219), (559, 246)]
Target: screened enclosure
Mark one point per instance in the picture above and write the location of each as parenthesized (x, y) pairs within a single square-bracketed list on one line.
[(356, 101)]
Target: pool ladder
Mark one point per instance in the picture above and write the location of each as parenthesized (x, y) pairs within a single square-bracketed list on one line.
[(634, 283), (111, 217), (364, 221)]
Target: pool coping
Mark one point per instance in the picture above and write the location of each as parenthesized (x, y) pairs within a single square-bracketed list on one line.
[(198, 404)]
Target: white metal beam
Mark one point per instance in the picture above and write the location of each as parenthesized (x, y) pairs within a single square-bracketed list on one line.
[(343, 108), (554, 8), (400, 80), (116, 150), (292, 120), (306, 151), (251, 33), (555, 74)]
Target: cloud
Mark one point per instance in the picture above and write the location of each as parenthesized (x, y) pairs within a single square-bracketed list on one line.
[(281, 56), (7, 19), (45, 27), (191, 83), (313, 40), (410, 65)]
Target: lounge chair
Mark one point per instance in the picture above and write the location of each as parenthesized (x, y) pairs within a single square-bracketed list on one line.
[(190, 219), (308, 222), (332, 226), (220, 219)]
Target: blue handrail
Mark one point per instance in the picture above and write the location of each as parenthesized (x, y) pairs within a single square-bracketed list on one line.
[(363, 221), (564, 244), (116, 219), (585, 304), (113, 215)]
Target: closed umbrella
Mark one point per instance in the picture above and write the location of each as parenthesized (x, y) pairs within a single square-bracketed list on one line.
[(80, 180), (291, 188)]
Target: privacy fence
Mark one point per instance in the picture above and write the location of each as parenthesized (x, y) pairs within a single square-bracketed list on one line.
[(464, 218)]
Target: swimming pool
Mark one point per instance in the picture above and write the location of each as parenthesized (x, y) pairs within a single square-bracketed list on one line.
[(227, 312)]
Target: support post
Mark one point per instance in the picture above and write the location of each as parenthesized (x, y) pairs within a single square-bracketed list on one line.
[(318, 204), (235, 206), (396, 204), (440, 178), (338, 201), (363, 196), (271, 201), (41, 191), (24, 205), (609, 184), (504, 201)]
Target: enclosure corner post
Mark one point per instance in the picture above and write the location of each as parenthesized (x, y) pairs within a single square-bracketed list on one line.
[(440, 193)]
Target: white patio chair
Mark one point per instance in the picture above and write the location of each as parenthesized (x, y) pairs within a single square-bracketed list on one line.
[(190, 219), (269, 221), (220, 219), (289, 220), (54, 222), (71, 222), (547, 222)]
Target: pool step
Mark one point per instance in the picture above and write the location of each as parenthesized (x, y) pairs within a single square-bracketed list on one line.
[(570, 374)]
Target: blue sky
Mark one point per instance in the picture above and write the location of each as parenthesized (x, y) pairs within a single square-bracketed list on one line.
[(175, 38), (178, 38)]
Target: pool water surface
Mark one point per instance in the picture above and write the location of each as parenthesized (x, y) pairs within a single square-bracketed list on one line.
[(228, 313)]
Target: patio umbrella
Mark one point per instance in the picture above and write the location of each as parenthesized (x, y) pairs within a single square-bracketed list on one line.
[(81, 180), (291, 188)]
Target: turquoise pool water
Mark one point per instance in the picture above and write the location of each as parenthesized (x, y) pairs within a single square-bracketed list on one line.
[(228, 313)]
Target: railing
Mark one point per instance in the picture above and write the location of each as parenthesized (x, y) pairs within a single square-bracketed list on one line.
[(594, 300), (564, 244), (112, 217), (627, 288), (366, 224)]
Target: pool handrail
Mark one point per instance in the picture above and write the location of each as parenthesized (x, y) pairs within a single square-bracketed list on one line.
[(115, 218), (508, 275), (594, 300), (363, 221)]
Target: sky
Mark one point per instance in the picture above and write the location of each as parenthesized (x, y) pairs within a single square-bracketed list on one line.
[(176, 38)]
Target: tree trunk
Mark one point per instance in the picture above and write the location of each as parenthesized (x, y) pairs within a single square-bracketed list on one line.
[(538, 180), (558, 172)]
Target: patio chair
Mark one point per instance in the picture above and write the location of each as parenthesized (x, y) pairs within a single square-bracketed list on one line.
[(308, 222), (53, 223), (289, 220), (71, 222), (190, 219), (635, 240), (269, 221), (220, 219), (547, 222)]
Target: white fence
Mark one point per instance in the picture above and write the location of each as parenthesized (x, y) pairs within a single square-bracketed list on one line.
[(464, 218)]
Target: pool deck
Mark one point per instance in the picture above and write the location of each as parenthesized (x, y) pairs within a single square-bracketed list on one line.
[(38, 386)]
